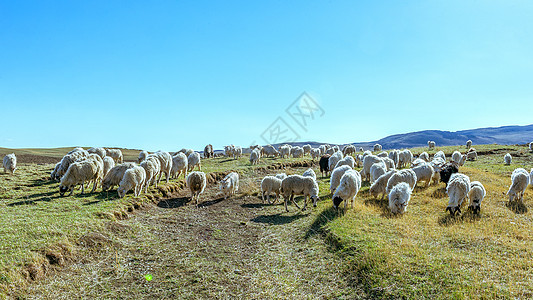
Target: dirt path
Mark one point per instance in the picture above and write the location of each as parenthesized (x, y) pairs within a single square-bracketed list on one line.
[(235, 248)]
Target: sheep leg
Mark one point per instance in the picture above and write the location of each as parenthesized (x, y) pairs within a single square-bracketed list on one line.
[(71, 191), (293, 201), (285, 199), (82, 188), (305, 203), (94, 186), (263, 197)]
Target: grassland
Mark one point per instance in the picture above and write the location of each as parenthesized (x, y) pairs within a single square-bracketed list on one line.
[(423, 254)]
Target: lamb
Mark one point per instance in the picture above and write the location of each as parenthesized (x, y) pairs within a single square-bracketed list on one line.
[(269, 151), (468, 144), (440, 154), (424, 156), (431, 145), (196, 181), (457, 190), (336, 176), (165, 159), (447, 171), (108, 164), (310, 173), (295, 185), (476, 194), (408, 176), (334, 159), (424, 172), (114, 176), (315, 153), (297, 152), (348, 161), (348, 149), (520, 180), (208, 151), (368, 161), (377, 147), (399, 197), (116, 154), (10, 163), (507, 159), (79, 173), (254, 156), (324, 164), (307, 149), (180, 164), (134, 179), (380, 185), (194, 160), (98, 150), (348, 188), (395, 156), (142, 156), (230, 184), (270, 184), (377, 170), (471, 155), (285, 151), (152, 168)]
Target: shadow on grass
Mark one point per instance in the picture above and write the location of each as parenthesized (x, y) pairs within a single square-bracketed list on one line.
[(467, 216), (31, 202), (100, 196), (40, 182), (210, 202), (326, 216), (256, 205), (278, 219), (174, 202), (439, 193), (518, 207), (382, 205)]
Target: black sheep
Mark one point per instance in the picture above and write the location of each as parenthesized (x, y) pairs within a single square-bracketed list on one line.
[(324, 164), (447, 172)]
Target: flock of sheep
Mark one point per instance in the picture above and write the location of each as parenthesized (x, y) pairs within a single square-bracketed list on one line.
[(106, 167)]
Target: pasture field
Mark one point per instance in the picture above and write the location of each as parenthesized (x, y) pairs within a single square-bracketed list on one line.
[(160, 245)]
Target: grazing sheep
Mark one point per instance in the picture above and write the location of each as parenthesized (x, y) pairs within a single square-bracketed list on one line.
[(476, 194), (78, 149), (10, 163), (315, 153), (108, 164), (377, 147), (230, 184), (507, 159), (270, 184), (336, 176), (468, 144), (53, 174), (295, 185), (349, 149), (134, 179), (208, 151), (142, 156), (114, 176), (297, 152), (395, 156), (254, 156), (408, 176), (447, 171), (285, 151), (399, 197), (324, 164), (334, 159), (180, 164), (194, 160), (456, 157), (457, 190), (116, 154), (348, 188), (431, 145), (424, 156), (307, 149), (380, 185), (383, 154), (348, 161), (405, 158), (68, 159), (376, 170), (471, 155), (79, 173), (196, 181), (368, 161), (152, 167), (269, 151), (165, 159), (440, 154), (98, 150), (309, 173), (424, 172), (519, 182)]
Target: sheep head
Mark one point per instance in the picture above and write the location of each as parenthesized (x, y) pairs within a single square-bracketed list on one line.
[(337, 201)]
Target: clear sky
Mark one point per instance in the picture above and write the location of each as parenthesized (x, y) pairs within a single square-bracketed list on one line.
[(173, 74)]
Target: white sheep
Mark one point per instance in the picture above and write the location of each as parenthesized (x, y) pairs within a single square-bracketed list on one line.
[(395, 156), (152, 168), (334, 159), (380, 185), (295, 185), (424, 172), (196, 181), (468, 144), (68, 159), (134, 179), (10, 163), (230, 184), (476, 194), (330, 151), (349, 149), (310, 173), (165, 159), (424, 156), (336, 148), (417, 162), (237, 152), (315, 153), (285, 151), (507, 159), (471, 155), (297, 152), (116, 154), (142, 156), (456, 157), (254, 156), (368, 161), (79, 173), (98, 150), (270, 184), (519, 182), (336, 176), (376, 170), (347, 160), (407, 175), (281, 176), (194, 160), (114, 176), (77, 149), (440, 154), (359, 160), (348, 188), (457, 190), (322, 149), (366, 153), (389, 163), (383, 154), (108, 164), (431, 145), (228, 150), (405, 158), (180, 164), (307, 149), (55, 171), (377, 147), (399, 197), (269, 151)]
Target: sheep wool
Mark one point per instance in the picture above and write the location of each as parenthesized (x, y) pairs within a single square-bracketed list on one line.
[(424, 172), (309, 173), (98, 150), (10, 163), (194, 160), (348, 161), (152, 167), (399, 197), (457, 190), (507, 159), (348, 188), (114, 176), (408, 176), (230, 184), (134, 179), (476, 194), (380, 185), (295, 185), (180, 164), (519, 182), (336, 176), (270, 184), (165, 159), (108, 164), (368, 161), (142, 156), (196, 181), (79, 173)]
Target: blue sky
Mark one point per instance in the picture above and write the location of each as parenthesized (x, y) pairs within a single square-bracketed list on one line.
[(174, 74)]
